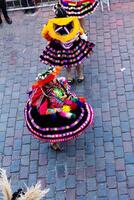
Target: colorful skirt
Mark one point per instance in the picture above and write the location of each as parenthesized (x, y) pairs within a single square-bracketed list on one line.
[(58, 128), (55, 55), (80, 8)]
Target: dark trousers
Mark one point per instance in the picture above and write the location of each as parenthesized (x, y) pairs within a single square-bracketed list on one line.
[(26, 3), (3, 8)]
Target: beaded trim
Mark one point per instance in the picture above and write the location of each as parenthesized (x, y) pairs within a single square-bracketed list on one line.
[(79, 9), (67, 57)]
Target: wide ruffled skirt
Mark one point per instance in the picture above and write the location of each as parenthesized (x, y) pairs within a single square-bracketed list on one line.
[(80, 8), (56, 128), (55, 55)]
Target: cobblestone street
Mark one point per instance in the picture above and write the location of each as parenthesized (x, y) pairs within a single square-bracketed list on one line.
[(98, 165)]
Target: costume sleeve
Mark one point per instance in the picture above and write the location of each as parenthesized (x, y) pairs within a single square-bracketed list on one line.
[(82, 34), (45, 33), (81, 30)]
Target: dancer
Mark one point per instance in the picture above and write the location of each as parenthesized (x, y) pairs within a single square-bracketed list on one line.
[(68, 45), (79, 8), (53, 113), (32, 193)]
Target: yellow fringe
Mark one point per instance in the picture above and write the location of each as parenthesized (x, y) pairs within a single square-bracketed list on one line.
[(49, 32)]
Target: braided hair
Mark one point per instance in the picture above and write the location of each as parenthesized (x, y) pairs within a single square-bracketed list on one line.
[(59, 11)]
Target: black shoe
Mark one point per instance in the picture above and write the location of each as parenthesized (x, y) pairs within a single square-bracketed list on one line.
[(71, 81), (79, 80), (32, 11), (8, 20), (0, 21), (26, 11), (56, 146)]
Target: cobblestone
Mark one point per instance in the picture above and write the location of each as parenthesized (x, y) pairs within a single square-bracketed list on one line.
[(99, 164)]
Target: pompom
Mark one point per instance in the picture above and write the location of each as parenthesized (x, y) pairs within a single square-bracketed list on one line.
[(74, 99), (66, 109), (82, 99), (51, 111), (73, 106), (43, 107), (66, 115), (73, 115), (79, 103), (68, 102), (58, 92)]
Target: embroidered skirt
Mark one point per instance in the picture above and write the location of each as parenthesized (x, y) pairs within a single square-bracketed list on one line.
[(58, 128), (55, 55)]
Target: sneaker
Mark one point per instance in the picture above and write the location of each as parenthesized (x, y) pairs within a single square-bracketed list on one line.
[(8, 20)]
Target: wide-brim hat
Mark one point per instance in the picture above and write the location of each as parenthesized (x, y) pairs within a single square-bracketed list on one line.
[(46, 77)]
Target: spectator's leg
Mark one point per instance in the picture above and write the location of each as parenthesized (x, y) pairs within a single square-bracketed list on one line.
[(4, 10), (24, 4), (0, 14), (0, 19), (31, 3)]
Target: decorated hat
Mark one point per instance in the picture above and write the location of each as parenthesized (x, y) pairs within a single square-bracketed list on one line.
[(69, 25), (46, 77)]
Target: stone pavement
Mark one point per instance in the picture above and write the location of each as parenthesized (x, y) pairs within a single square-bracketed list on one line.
[(99, 164)]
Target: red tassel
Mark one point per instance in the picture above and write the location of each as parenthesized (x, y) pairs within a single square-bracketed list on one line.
[(82, 99), (43, 107), (36, 97), (73, 106)]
